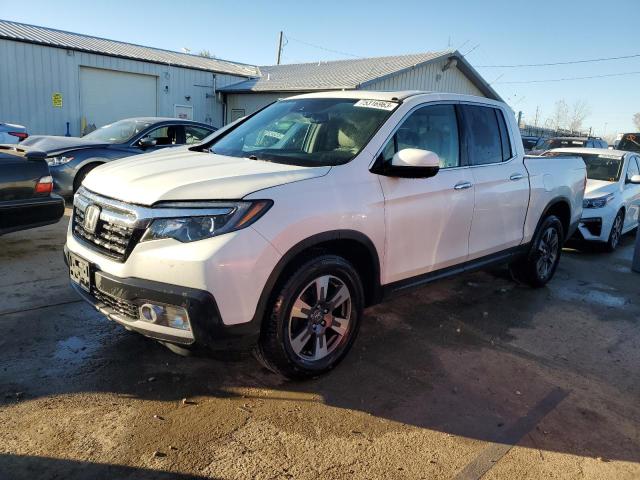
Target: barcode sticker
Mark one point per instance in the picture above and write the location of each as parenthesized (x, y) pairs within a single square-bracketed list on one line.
[(377, 104)]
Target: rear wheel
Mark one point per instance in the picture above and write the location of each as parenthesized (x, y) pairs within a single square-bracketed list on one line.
[(540, 264), (314, 320), (616, 232), (84, 171)]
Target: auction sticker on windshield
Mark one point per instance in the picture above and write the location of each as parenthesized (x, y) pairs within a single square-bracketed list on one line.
[(377, 104)]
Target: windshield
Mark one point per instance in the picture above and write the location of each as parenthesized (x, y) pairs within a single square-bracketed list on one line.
[(630, 142), (550, 143), (118, 132), (308, 132)]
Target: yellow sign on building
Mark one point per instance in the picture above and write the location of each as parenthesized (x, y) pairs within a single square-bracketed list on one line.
[(56, 100)]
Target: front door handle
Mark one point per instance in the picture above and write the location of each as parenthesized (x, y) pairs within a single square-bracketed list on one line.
[(462, 185), (516, 176)]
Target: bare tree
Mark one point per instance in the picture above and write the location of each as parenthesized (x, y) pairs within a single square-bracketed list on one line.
[(636, 120), (559, 117), (206, 54), (579, 111)]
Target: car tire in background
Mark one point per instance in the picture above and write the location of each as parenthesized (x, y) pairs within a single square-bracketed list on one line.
[(82, 173), (314, 318), (616, 232), (540, 263)]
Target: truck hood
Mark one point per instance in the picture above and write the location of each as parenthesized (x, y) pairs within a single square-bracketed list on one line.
[(177, 174), (53, 145), (599, 188)]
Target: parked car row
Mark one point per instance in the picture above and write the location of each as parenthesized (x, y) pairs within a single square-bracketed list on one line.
[(277, 230), (543, 144)]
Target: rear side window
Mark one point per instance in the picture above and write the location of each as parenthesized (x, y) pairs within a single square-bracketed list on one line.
[(504, 136), (484, 141), (195, 134)]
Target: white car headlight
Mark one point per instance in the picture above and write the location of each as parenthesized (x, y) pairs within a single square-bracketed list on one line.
[(599, 202), (200, 223), (61, 160)]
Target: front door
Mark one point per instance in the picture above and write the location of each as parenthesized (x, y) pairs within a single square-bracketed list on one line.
[(500, 181), (427, 219), (631, 194)]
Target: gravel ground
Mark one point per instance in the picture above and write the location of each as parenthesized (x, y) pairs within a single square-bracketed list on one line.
[(470, 377)]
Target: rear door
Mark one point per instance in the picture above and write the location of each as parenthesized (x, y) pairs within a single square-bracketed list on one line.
[(500, 181)]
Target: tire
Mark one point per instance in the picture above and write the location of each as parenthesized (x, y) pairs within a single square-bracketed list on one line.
[(84, 171), (301, 336), (616, 233), (541, 262)]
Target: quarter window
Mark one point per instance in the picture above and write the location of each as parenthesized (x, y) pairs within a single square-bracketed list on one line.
[(632, 169), (483, 135), (433, 128)]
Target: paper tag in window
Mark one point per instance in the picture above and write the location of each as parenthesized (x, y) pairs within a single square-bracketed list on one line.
[(377, 104)]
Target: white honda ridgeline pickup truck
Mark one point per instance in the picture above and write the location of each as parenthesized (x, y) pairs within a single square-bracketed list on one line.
[(282, 227)]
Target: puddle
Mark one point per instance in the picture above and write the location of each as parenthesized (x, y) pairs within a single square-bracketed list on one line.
[(591, 295)]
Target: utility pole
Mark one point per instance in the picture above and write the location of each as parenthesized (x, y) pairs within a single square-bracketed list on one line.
[(519, 118), (537, 118), (279, 48)]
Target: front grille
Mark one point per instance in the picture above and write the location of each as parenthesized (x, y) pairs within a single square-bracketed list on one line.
[(123, 307), (110, 237)]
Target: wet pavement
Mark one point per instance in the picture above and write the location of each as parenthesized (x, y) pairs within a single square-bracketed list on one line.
[(469, 377)]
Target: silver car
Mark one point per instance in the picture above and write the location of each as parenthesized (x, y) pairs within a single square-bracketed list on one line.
[(10, 133)]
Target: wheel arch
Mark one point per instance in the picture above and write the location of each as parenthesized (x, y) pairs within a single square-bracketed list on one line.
[(354, 246), (561, 208)]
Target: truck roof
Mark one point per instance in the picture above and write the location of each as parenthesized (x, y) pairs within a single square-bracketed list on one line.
[(592, 151), (397, 95)]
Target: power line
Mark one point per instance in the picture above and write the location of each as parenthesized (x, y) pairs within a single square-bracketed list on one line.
[(570, 78), (573, 62), (323, 48)]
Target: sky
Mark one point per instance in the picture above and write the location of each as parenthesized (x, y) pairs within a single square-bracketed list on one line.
[(489, 32)]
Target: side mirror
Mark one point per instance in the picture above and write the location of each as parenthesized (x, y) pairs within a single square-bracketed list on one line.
[(635, 179), (413, 163), (147, 142)]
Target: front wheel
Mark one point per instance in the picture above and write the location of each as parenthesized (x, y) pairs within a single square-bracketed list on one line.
[(616, 232), (540, 264), (314, 319)]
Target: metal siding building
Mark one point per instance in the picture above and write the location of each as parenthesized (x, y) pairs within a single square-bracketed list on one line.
[(445, 71), (99, 81), (50, 77)]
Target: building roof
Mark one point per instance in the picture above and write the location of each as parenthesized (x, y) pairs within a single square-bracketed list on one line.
[(22, 32), (349, 74)]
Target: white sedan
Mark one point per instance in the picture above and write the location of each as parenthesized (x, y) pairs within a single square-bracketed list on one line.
[(612, 197)]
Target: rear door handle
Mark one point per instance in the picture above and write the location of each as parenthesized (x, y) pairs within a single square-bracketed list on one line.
[(462, 185), (516, 176)]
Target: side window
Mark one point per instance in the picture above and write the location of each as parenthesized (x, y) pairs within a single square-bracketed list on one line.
[(504, 136), (167, 135), (195, 134), (632, 169), (433, 128), (485, 143)]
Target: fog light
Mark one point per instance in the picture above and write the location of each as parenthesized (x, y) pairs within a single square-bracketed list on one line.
[(165, 315)]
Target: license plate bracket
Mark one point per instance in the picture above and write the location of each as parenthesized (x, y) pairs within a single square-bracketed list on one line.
[(80, 271)]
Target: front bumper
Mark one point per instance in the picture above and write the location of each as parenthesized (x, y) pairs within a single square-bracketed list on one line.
[(30, 213), (595, 224), (118, 299)]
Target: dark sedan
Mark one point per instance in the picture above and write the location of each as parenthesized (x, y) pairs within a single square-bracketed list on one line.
[(26, 200), (71, 158)]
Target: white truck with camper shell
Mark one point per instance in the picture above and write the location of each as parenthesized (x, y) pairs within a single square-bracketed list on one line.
[(281, 228)]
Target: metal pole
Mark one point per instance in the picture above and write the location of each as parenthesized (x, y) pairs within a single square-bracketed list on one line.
[(635, 266), (279, 48), (519, 118)]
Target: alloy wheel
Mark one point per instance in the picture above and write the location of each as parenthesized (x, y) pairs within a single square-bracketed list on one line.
[(320, 318), (548, 250), (616, 231)]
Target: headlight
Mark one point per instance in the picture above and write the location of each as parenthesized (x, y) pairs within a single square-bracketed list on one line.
[(198, 221), (55, 161), (599, 202)]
